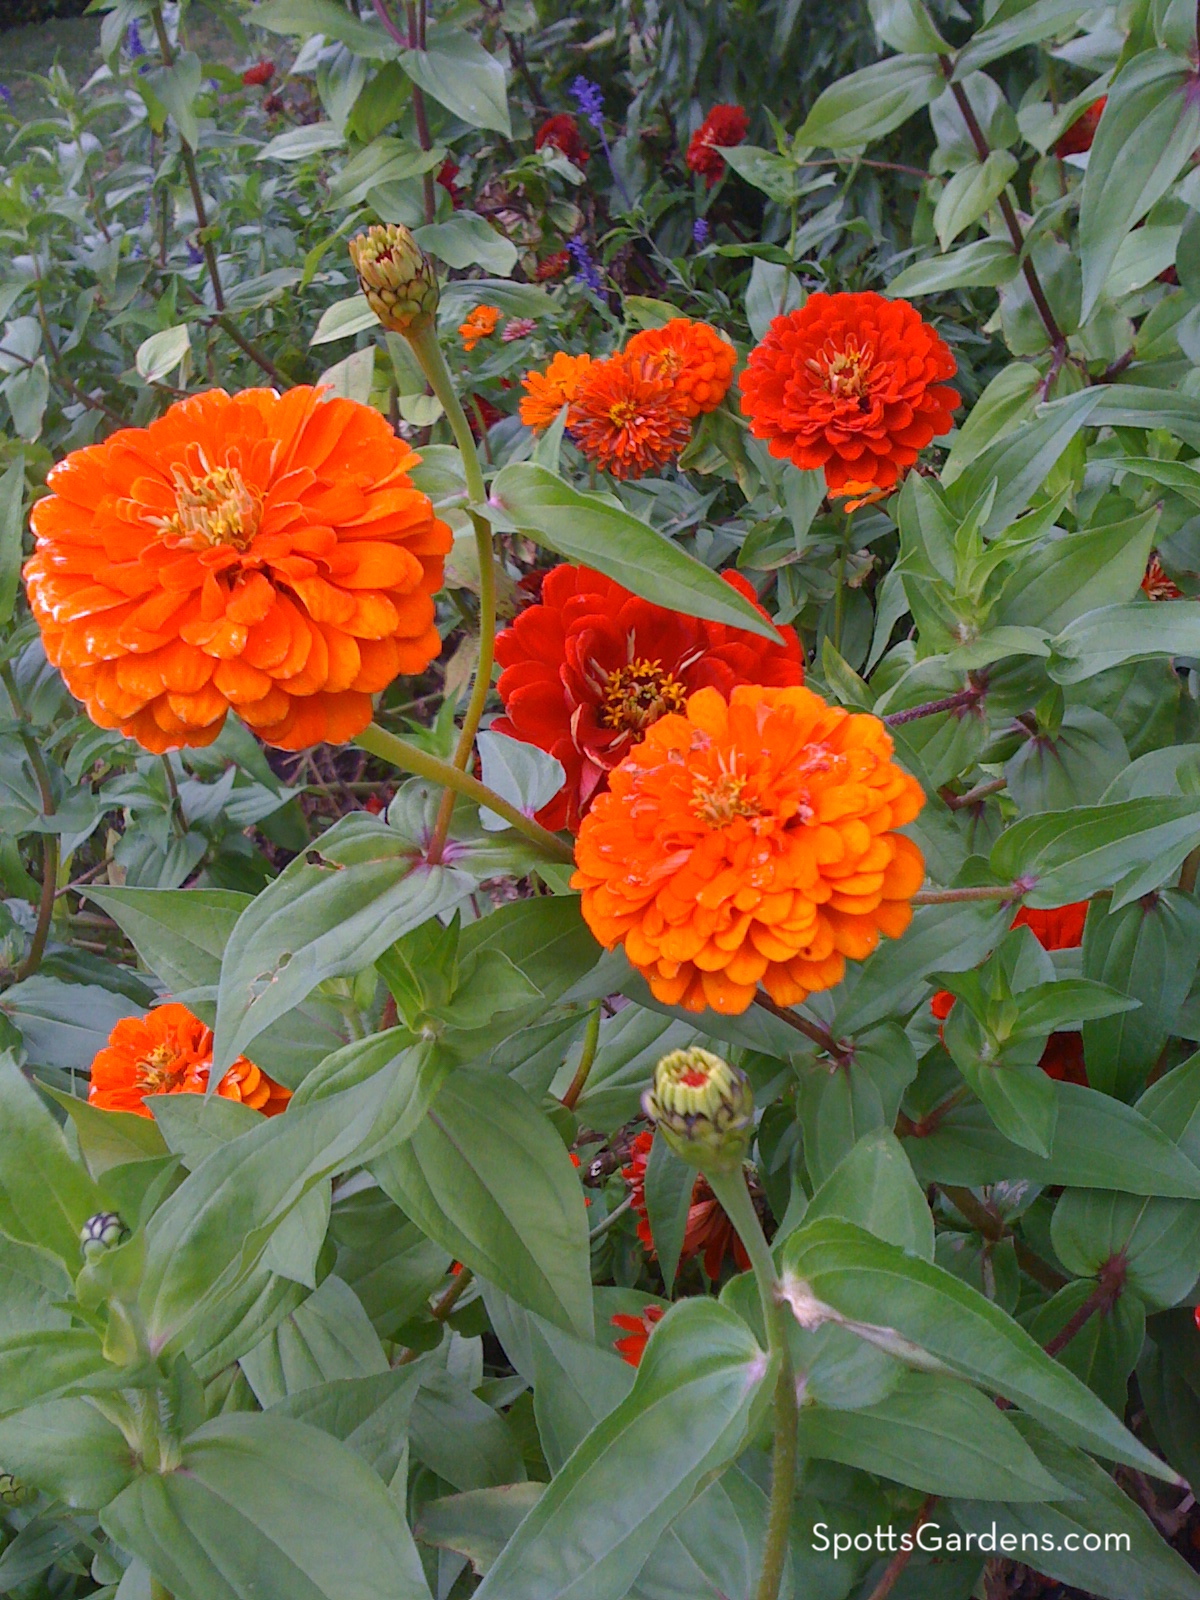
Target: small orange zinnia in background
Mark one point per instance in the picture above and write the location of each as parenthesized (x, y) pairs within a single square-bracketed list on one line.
[(169, 1051), (751, 841), (723, 127), (546, 393), (627, 416), (637, 1331), (696, 358), (479, 324), (851, 383), (257, 552)]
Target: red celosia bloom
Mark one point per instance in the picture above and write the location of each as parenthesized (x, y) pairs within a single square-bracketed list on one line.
[(261, 73), (591, 667), (638, 1329), (261, 552), (1157, 585), (562, 132), (722, 127), (446, 175), (850, 383), (696, 358), (627, 417), (553, 266), (1082, 131), (710, 1234), (169, 1051)]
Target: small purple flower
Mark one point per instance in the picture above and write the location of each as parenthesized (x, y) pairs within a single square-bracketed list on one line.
[(133, 42), (589, 97), (195, 254), (585, 268), (6, 94), (700, 231)]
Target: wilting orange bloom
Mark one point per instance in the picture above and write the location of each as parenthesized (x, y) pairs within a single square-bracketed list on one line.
[(261, 552), (722, 127), (546, 393), (634, 1173), (627, 417), (638, 1331), (169, 1051), (851, 383), (1082, 131), (696, 358), (708, 1231), (480, 324), (1156, 583), (751, 841)]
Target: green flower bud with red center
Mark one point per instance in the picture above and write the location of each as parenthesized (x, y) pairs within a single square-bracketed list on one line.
[(704, 1108), (396, 276)]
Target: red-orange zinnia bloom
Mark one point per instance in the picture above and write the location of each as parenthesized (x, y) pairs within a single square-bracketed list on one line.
[(1082, 131), (260, 73), (751, 841), (722, 127), (637, 1330), (851, 383), (479, 324), (708, 1232), (627, 417), (546, 393), (589, 668), (561, 132), (696, 358), (1156, 583), (261, 552), (169, 1051)]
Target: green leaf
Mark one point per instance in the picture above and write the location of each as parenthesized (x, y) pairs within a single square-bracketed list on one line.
[(1020, 1100), (459, 74), (698, 1392), (159, 355), (969, 193), (777, 176), (480, 1523), (873, 1186), (1177, 475), (69, 1451), (1150, 127), (110, 1138), (863, 106), (1013, 24), (935, 1434), (330, 912), (1059, 581), (176, 88), (669, 1186), (1074, 767), (45, 1196), (907, 26), (299, 18), (12, 522), (180, 934), (327, 1338), (460, 1438), (836, 1271), (1114, 634), (50, 1362), (487, 1176), (468, 240), (298, 144), (371, 1415), (344, 318), (594, 530), (1020, 462), (985, 264), (1072, 855), (258, 1510)]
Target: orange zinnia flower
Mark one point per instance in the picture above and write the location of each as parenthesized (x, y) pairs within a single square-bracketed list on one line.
[(751, 842), (627, 417), (698, 361), (480, 324), (169, 1051), (638, 1330), (1156, 583), (850, 383), (261, 552), (546, 393)]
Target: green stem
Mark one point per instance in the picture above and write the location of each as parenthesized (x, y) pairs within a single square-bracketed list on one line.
[(410, 758), (587, 1056), (730, 1189), (946, 897)]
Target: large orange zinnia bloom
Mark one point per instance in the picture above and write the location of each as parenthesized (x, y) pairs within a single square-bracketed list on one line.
[(851, 383), (696, 358), (261, 552), (169, 1051), (751, 841), (627, 417), (546, 393)]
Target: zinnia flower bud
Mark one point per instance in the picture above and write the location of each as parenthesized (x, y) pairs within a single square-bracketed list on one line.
[(396, 276), (104, 1231), (703, 1107)]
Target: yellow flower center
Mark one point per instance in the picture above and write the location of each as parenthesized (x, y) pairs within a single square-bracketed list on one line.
[(213, 508), (159, 1070), (719, 800), (624, 413), (638, 694), (846, 373)]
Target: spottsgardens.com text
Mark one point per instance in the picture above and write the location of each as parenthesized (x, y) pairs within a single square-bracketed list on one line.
[(931, 1537)]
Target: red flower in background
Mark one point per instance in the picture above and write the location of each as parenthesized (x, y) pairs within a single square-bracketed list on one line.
[(723, 127), (708, 1232), (638, 1331), (446, 175), (635, 1176), (1157, 585), (562, 132), (590, 667), (261, 73), (1082, 131), (553, 266), (1063, 1059)]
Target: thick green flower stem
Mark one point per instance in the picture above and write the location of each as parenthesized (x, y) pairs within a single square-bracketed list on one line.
[(730, 1189), (410, 758)]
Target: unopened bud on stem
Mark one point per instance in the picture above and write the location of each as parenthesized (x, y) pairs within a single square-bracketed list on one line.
[(704, 1108), (396, 276), (102, 1232)]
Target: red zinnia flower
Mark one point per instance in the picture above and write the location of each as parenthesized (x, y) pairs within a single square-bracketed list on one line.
[(1060, 928), (1157, 585), (261, 73), (553, 266), (722, 127), (635, 1176), (850, 383), (638, 1329), (591, 667), (1082, 131), (446, 174), (1063, 1059), (562, 132), (628, 417), (710, 1234)]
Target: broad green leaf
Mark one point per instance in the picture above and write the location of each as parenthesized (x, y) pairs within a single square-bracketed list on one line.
[(1138, 631), (371, 1415), (110, 1138), (1067, 856), (459, 74), (1158, 1239), (33, 1287), (63, 1024), (985, 264), (932, 1433), (69, 1451), (1105, 1350), (776, 175), (1062, 579), (1013, 24), (460, 1438), (264, 1508), (327, 1338), (1150, 127), (487, 1176), (1019, 1099), (330, 912), (180, 934), (1020, 462), (12, 496), (45, 1196), (1073, 767), (713, 1548), (468, 240), (873, 1186), (1131, 405), (669, 1185), (1177, 475), (344, 318), (479, 1523), (836, 1271), (699, 1389), (176, 88), (601, 534), (969, 193), (298, 144), (1008, 400), (865, 105), (159, 355), (907, 26), (299, 18), (50, 1362)]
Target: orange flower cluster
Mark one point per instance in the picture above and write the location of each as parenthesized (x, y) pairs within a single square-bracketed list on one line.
[(633, 412), (169, 1051), (260, 552), (480, 324), (751, 841), (851, 383), (708, 1232)]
